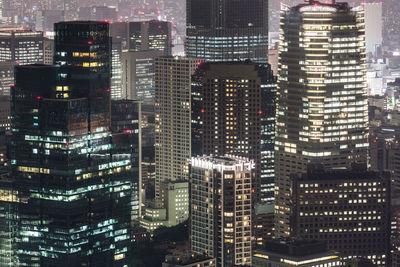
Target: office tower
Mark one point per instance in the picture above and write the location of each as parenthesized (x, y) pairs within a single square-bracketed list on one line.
[(21, 46), (126, 131), (263, 222), (104, 13), (189, 260), (98, 13), (292, 252), (6, 76), (45, 19), (8, 219), (322, 109), (349, 210), (138, 75), (150, 35), (172, 109), (373, 27), (116, 69), (220, 208), (76, 190), (233, 112), (227, 30), (48, 51)]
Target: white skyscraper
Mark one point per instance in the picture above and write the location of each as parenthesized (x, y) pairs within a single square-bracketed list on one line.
[(220, 212), (173, 119)]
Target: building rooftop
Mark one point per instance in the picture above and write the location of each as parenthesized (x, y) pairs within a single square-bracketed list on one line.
[(295, 247), (186, 258), (316, 3), (342, 175)]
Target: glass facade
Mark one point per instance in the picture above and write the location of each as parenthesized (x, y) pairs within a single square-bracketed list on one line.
[(227, 30), (75, 187)]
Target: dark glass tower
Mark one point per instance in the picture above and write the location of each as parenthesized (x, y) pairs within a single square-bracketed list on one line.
[(75, 189), (225, 30)]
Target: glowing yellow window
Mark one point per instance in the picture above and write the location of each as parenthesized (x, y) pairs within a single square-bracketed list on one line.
[(85, 64), (59, 88), (94, 64), (65, 88), (75, 54), (66, 95)]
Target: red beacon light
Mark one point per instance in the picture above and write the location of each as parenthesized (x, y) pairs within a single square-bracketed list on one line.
[(89, 42), (202, 110), (39, 97), (259, 112), (108, 90), (67, 144)]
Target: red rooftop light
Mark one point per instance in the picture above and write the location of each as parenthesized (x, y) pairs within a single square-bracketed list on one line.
[(38, 97), (202, 111), (89, 42), (108, 90), (67, 144)]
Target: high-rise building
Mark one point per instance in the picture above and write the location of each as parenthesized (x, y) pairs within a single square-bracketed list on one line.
[(227, 30), (150, 35), (21, 46), (48, 51), (45, 19), (6, 76), (75, 188), (322, 105), (349, 210), (220, 208), (98, 13), (116, 69), (8, 219), (127, 137), (173, 113), (233, 112), (138, 75), (373, 27)]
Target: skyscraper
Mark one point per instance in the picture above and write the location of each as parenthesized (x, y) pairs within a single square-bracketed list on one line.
[(233, 112), (348, 210), (23, 47), (220, 208), (322, 109), (173, 113), (227, 30), (138, 75), (116, 68), (150, 35), (76, 189), (126, 128)]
